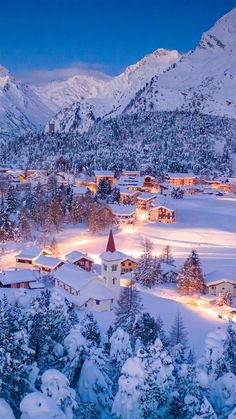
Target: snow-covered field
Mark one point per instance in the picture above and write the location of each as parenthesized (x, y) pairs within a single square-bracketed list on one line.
[(207, 224)]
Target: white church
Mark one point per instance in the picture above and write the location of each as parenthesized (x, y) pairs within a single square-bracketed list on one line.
[(88, 290)]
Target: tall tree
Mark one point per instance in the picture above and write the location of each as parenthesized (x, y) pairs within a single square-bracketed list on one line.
[(190, 278)]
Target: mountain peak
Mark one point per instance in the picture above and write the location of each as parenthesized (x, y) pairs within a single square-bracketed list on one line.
[(4, 72), (222, 34)]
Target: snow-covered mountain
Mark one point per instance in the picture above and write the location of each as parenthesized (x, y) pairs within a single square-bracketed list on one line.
[(116, 93), (64, 93), (21, 109), (203, 80)]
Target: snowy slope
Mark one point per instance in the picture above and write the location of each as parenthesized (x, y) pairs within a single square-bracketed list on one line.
[(64, 93), (117, 92), (20, 108), (203, 80)]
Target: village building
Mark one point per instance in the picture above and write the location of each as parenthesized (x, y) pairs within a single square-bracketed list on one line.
[(105, 175), (145, 200), (181, 179), (123, 214), (24, 278), (128, 263), (79, 191), (134, 183), (128, 197), (111, 266), (130, 173), (162, 213), (218, 282), (47, 264), (28, 256), (80, 259)]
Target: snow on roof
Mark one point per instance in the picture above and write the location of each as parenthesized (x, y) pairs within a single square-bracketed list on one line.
[(30, 253), (17, 276), (232, 180), (164, 204), (48, 261), (166, 268), (105, 173), (117, 209), (80, 190), (74, 276), (125, 191), (217, 276), (181, 175), (146, 196), (77, 255), (36, 285), (125, 257), (111, 256), (131, 181), (95, 291)]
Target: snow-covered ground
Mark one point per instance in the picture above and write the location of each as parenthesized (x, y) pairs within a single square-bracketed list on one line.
[(207, 224)]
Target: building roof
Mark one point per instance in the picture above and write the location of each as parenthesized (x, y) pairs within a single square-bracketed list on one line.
[(125, 191), (158, 204), (17, 276), (111, 256), (117, 209), (111, 243), (147, 196), (80, 190), (74, 276), (217, 276), (131, 181), (76, 255), (181, 175), (105, 173), (94, 291), (124, 257), (48, 262), (30, 253)]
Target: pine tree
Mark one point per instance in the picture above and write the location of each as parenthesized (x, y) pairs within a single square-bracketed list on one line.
[(146, 329), (54, 247), (159, 382), (190, 278), (103, 190), (24, 223), (128, 309), (11, 200), (90, 330), (178, 340)]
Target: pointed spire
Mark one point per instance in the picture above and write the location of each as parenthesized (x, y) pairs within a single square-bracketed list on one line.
[(111, 244)]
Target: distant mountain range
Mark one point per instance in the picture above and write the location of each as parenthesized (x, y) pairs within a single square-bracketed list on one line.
[(202, 80)]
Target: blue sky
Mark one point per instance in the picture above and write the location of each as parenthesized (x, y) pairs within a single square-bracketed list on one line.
[(55, 38)]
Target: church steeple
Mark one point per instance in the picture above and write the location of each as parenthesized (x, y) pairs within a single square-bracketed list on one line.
[(111, 243)]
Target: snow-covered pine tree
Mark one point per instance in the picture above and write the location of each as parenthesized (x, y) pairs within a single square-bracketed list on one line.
[(90, 330), (11, 199), (158, 383), (128, 400), (146, 329), (190, 278), (94, 385), (178, 341), (128, 309), (120, 351), (24, 223), (103, 190)]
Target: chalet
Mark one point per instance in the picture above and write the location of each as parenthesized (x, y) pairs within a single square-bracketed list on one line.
[(47, 264), (80, 259), (134, 183), (169, 272), (181, 179), (128, 197), (218, 282), (83, 288), (24, 278), (28, 257), (124, 214), (145, 200), (128, 263), (162, 213), (130, 173), (79, 191), (104, 174)]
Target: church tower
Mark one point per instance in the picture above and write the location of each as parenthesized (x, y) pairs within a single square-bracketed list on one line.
[(111, 266)]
